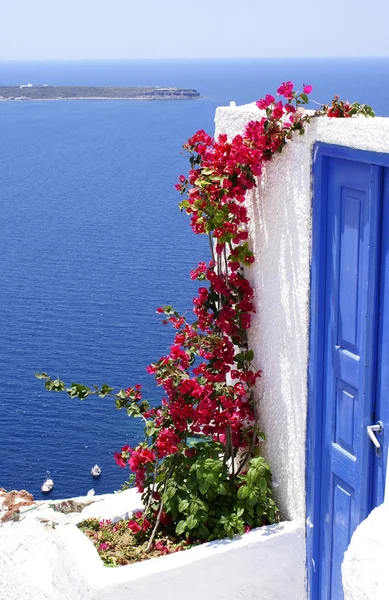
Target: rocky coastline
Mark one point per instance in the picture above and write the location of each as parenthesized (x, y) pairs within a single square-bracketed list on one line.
[(27, 92)]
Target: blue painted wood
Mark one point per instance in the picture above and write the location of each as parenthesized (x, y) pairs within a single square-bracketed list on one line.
[(382, 392), (351, 278), (315, 371), (343, 356), (322, 150)]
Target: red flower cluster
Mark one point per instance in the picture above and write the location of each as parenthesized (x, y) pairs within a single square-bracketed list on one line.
[(167, 442), (206, 379), (208, 375)]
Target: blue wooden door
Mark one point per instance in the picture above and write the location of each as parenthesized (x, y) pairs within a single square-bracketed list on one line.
[(351, 358)]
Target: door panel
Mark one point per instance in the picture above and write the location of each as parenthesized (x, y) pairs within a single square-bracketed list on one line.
[(352, 254)]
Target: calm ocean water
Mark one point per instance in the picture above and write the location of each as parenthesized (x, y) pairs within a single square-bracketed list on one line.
[(91, 242)]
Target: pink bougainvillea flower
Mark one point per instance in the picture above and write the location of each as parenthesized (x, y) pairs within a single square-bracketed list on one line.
[(103, 546), (105, 523), (286, 90), (265, 102), (160, 546), (146, 525), (247, 528), (165, 519), (134, 526), (119, 460), (289, 108), (167, 442), (278, 111), (140, 457), (307, 89)]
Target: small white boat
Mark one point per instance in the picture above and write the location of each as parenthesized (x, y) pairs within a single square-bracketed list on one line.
[(48, 483), (96, 471)]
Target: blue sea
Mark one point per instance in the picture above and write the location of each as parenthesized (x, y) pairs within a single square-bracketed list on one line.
[(92, 242)]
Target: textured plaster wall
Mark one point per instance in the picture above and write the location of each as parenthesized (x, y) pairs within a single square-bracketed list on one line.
[(280, 237), (28, 552), (280, 234), (365, 570)]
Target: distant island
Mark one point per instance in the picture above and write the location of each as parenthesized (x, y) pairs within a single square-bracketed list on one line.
[(64, 92)]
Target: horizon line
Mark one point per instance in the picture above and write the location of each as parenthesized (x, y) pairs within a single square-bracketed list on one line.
[(158, 59)]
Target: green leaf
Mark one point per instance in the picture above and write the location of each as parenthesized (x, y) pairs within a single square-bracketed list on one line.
[(183, 505), (170, 492), (243, 492), (191, 522), (180, 528), (41, 376), (249, 355), (239, 357), (304, 98), (203, 487), (193, 508), (105, 389), (150, 429), (222, 489), (55, 385)]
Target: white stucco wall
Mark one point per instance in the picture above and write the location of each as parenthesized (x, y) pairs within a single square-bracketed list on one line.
[(280, 234), (365, 571)]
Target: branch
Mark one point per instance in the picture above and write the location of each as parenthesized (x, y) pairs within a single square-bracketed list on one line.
[(158, 520), (212, 250), (153, 488), (252, 442)]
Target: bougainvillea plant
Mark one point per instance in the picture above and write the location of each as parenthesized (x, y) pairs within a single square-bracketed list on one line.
[(199, 467)]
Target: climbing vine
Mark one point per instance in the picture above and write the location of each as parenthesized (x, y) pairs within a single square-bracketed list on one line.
[(199, 467)]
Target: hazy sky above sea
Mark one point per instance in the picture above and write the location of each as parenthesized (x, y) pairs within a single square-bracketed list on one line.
[(110, 29)]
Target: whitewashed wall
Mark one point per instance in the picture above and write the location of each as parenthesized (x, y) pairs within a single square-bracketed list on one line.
[(280, 234), (365, 570), (264, 564)]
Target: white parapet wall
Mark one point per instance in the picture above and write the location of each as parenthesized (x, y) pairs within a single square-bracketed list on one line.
[(264, 564)]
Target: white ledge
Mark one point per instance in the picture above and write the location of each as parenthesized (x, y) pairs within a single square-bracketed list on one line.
[(265, 563)]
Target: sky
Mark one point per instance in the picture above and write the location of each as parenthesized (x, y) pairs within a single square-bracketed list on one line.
[(126, 29)]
